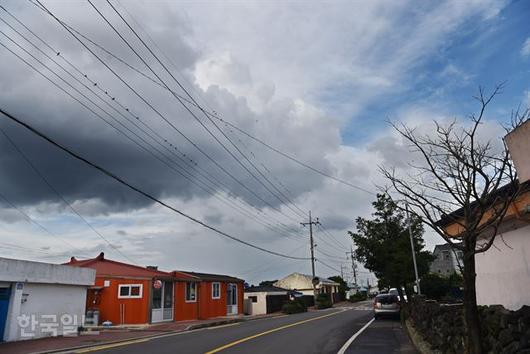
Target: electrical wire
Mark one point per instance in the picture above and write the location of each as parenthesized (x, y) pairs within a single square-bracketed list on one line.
[(215, 115), (192, 165), (61, 197), (138, 190)]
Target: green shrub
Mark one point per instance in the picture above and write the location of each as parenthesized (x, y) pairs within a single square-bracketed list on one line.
[(357, 297), (294, 306), (323, 301)]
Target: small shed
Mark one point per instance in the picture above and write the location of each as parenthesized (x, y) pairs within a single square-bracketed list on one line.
[(265, 299), (41, 299)]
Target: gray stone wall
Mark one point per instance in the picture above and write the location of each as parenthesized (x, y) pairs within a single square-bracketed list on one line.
[(442, 326)]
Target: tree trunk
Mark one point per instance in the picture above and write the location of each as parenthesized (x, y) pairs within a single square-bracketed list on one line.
[(472, 338)]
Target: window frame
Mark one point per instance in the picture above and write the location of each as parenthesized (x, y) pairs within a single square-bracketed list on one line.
[(186, 292), (218, 290), (130, 286)]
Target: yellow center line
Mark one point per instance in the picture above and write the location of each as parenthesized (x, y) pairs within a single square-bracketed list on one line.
[(242, 340)]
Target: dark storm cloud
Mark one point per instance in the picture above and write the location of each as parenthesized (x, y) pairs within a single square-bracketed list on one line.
[(37, 101)]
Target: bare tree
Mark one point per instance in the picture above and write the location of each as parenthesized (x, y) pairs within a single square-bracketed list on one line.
[(462, 190)]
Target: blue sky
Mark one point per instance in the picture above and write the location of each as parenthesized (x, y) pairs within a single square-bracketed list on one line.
[(480, 53)]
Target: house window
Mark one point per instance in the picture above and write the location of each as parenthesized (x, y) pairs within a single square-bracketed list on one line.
[(216, 290), (253, 298), (191, 292), (130, 291), (446, 255)]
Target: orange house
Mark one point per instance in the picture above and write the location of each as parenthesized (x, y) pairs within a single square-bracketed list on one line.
[(129, 294)]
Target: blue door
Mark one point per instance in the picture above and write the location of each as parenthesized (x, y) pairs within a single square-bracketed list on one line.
[(4, 305)]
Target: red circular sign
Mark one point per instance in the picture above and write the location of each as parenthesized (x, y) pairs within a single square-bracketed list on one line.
[(157, 284)]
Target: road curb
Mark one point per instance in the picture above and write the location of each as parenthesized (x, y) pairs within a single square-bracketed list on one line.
[(417, 340)]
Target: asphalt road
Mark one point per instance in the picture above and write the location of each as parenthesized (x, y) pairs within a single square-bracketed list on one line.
[(323, 331)]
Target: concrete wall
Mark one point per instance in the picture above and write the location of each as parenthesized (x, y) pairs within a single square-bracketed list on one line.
[(257, 308), (43, 306), (503, 272), (16, 270), (40, 294)]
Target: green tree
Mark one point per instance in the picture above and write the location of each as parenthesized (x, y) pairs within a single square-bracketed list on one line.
[(383, 245), (343, 286)]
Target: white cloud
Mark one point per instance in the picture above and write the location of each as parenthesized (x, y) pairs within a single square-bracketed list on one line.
[(525, 49)]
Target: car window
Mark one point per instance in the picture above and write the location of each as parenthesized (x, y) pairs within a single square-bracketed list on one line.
[(387, 299)]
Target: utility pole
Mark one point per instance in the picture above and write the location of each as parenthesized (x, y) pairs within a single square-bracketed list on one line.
[(312, 245), (413, 251), (353, 266)]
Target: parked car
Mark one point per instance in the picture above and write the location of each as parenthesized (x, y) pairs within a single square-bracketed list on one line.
[(386, 304)]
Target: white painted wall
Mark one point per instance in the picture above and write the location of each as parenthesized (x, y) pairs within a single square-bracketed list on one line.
[(503, 274), (46, 303), (43, 289), (257, 308), (16, 270)]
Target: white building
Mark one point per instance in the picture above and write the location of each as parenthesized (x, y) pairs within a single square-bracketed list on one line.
[(447, 260), (503, 271), (304, 284), (41, 299), (264, 299)]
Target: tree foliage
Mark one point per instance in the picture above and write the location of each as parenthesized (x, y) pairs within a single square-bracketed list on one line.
[(343, 286), (383, 244)]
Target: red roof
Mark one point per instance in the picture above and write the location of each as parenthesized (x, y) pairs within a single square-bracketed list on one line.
[(107, 267)]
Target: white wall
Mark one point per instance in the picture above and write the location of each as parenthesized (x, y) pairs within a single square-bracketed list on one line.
[(43, 289), (257, 308), (16, 270), (40, 300), (503, 274)]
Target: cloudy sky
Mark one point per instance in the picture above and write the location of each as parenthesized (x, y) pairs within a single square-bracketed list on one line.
[(318, 81)]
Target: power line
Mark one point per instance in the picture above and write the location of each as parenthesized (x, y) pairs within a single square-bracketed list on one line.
[(138, 190), (84, 105), (192, 165), (213, 114), (163, 117), (31, 220), (45, 180), (328, 266), (196, 104), (323, 229)]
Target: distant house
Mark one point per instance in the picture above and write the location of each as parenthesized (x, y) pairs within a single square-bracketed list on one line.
[(130, 294), (41, 299), (446, 261), (304, 284), (264, 299)]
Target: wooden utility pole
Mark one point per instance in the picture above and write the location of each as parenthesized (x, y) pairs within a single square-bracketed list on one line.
[(312, 245), (353, 266)]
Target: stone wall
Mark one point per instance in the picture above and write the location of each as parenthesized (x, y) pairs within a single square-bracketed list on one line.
[(442, 326)]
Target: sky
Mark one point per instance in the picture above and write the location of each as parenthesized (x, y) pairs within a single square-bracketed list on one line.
[(319, 81)]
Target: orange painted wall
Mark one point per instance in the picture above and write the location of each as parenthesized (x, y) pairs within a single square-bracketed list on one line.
[(184, 310), (136, 310), (211, 307)]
